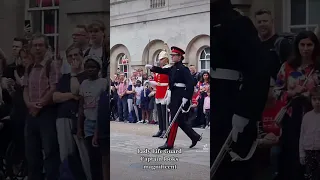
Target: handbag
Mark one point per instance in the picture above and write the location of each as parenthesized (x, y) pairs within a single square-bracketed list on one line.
[(280, 115)]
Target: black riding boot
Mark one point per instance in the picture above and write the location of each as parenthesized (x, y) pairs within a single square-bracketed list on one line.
[(160, 122)]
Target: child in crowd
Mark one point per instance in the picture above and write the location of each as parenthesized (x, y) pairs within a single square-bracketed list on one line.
[(206, 108), (145, 103), (138, 90), (90, 92), (309, 144), (152, 103), (194, 108), (130, 92)]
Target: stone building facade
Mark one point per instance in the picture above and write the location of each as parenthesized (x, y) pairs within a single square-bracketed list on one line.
[(139, 29)]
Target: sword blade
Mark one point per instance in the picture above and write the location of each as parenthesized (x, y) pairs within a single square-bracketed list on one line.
[(167, 121), (221, 155), (173, 120)]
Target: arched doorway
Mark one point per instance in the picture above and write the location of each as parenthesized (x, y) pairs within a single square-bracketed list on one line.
[(195, 49), (119, 58)]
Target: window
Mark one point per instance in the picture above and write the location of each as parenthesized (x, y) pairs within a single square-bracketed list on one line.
[(157, 3), (156, 59), (204, 60), (44, 17), (123, 64), (303, 15)]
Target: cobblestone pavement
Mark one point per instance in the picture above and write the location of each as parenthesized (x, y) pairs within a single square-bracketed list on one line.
[(128, 162)]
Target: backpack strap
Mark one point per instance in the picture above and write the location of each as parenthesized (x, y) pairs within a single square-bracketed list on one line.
[(29, 69), (87, 52), (47, 66)]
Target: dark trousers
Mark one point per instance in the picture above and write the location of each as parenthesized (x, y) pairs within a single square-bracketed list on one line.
[(181, 121), (41, 134), (162, 121), (289, 160), (201, 116), (312, 165), (207, 116), (95, 160), (123, 108), (114, 109)]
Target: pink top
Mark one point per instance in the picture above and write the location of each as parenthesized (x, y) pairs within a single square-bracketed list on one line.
[(206, 104), (122, 88), (310, 133)]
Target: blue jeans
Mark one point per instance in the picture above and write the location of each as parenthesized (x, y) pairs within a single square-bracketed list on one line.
[(41, 134), (123, 108), (89, 127)]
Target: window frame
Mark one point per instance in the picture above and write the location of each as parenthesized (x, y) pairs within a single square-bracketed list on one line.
[(287, 17), (121, 57), (154, 4), (155, 57), (53, 7), (200, 60)]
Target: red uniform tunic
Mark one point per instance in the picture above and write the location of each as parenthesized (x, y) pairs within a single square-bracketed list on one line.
[(162, 81), (268, 119)]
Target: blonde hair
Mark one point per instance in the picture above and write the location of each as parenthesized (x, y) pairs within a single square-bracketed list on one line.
[(167, 60)]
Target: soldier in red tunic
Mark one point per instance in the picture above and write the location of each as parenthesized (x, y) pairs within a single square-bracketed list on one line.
[(161, 82), (181, 87)]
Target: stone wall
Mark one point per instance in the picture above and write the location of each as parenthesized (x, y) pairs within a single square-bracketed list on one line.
[(12, 23), (77, 12), (140, 32)]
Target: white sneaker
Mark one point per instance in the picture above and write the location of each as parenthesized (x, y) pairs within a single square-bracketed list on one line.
[(146, 122), (141, 121)]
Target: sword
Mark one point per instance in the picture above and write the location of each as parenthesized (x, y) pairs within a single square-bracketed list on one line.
[(167, 120), (175, 118), (225, 148), (235, 157)]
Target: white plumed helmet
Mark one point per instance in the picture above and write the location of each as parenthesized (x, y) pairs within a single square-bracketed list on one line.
[(163, 54)]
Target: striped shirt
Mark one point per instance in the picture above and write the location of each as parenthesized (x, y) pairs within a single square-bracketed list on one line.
[(122, 87), (37, 81)]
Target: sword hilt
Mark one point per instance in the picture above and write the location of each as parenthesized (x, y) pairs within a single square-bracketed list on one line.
[(183, 111), (235, 157)]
